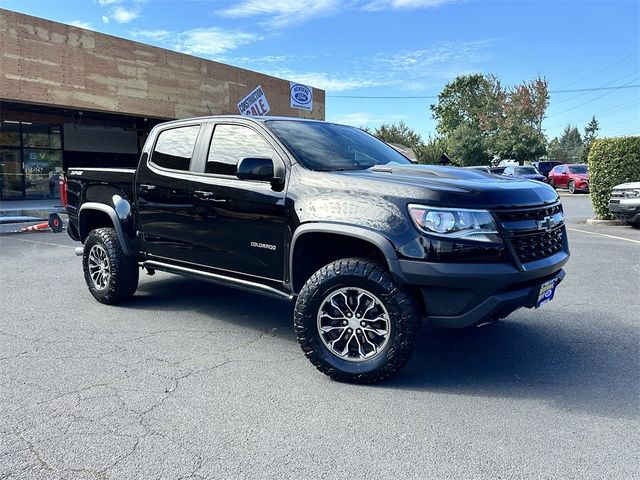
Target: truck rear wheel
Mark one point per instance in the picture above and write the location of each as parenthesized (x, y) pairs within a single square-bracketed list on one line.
[(354, 323), (112, 276)]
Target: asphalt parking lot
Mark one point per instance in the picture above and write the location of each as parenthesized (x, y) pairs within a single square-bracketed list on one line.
[(192, 380)]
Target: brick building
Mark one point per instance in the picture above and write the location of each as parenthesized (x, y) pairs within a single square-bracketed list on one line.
[(70, 96)]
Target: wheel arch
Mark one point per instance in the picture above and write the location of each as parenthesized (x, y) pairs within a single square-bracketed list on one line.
[(373, 244), (97, 215)]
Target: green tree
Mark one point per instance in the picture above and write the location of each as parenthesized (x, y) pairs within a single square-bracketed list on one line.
[(590, 134), (465, 146), (568, 147), (472, 100), (398, 133), (431, 151), (505, 122)]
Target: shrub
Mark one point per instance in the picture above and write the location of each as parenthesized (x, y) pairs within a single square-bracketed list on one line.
[(611, 161)]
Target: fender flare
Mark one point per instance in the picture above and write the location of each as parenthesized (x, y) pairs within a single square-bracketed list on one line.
[(376, 239), (117, 225)]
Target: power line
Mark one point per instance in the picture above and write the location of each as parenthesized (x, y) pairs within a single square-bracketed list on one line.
[(605, 85), (414, 97), (602, 69), (612, 89)]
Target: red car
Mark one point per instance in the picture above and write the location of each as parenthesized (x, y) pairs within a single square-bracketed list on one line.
[(574, 177)]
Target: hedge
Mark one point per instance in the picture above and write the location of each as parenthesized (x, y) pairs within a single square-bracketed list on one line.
[(611, 161)]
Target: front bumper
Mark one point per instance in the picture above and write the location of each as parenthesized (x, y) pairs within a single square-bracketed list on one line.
[(627, 209), (462, 295)]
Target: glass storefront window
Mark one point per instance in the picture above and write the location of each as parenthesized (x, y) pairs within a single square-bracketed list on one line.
[(9, 134), (36, 135), (30, 160)]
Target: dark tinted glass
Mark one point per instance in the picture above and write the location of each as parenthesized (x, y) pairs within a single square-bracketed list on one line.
[(326, 146), (40, 136), (578, 169), (526, 171), (174, 147), (230, 144), (10, 134)]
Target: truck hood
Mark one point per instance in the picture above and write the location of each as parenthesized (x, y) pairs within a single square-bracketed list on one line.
[(627, 186), (451, 186)]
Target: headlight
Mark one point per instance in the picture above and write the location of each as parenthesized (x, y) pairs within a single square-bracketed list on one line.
[(451, 223), (632, 193)]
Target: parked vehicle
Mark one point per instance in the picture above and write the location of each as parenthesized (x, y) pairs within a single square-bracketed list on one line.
[(545, 166), (528, 172), (365, 242), (482, 168), (574, 177), (625, 203)]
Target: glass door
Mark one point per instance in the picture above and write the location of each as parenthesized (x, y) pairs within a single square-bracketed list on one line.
[(11, 177)]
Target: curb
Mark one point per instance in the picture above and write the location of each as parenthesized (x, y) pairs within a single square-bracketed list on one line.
[(597, 221), (32, 212)]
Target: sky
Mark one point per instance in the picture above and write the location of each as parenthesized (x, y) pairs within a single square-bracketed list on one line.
[(405, 49)]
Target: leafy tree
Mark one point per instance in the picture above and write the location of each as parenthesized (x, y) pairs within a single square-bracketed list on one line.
[(568, 147), (398, 133), (470, 100), (466, 146), (505, 122), (516, 132), (431, 151), (519, 142), (590, 134)]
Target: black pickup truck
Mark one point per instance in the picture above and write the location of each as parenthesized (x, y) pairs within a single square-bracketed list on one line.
[(365, 242)]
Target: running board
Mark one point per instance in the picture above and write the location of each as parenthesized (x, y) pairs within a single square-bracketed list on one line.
[(218, 279)]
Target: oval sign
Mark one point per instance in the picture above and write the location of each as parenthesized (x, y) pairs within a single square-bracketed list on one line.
[(301, 96)]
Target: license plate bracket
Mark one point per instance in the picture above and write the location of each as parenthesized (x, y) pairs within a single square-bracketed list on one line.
[(547, 292)]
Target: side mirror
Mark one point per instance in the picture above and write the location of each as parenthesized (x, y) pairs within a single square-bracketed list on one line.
[(255, 168)]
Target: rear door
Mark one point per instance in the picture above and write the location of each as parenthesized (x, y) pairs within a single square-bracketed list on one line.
[(163, 191), (239, 225)]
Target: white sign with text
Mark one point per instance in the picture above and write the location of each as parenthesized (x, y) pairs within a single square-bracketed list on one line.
[(301, 96), (254, 104)]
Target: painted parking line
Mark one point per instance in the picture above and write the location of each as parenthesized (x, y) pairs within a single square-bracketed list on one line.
[(35, 241), (603, 235)]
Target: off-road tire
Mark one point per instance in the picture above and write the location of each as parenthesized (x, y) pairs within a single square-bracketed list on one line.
[(571, 186), (124, 271), (367, 275)]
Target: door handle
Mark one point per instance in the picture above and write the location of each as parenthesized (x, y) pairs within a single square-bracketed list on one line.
[(146, 186), (203, 194)]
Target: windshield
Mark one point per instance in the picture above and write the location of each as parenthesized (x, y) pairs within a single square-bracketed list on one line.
[(578, 169), (327, 146), (525, 171)]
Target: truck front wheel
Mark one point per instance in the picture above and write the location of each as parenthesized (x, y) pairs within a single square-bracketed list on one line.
[(354, 323), (112, 276)]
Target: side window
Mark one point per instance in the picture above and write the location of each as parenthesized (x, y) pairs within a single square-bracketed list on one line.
[(508, 171), (174, 147), (231, 143)]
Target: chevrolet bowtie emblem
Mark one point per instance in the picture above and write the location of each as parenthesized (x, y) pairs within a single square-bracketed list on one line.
[(545, 224)]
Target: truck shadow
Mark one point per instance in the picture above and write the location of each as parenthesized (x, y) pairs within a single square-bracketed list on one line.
[(561, 356)]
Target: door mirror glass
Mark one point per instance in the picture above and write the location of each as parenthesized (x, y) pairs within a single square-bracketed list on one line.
[(255, 168)]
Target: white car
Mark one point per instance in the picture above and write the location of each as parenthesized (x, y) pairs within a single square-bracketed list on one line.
[(625, 203)]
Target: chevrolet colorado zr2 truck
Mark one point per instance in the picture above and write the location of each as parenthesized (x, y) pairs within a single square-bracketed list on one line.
[(366, 243)]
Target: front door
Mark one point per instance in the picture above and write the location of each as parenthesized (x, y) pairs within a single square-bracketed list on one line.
[(11, 176), (163, 191), (238, 224)]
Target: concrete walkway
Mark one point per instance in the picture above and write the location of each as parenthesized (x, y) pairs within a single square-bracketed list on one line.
[(30, 208)]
